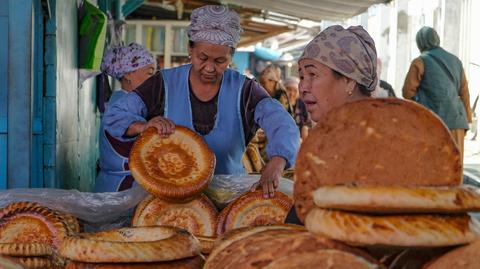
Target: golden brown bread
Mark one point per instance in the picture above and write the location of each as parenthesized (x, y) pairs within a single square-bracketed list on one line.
[(25, 249), (221, 219), (255, 157), (261, 249), (395, 230), (465, 257), (26, 222), (141, 244), (251, 209), (247, 164), (35, 262), (176, 168), (206, 243), (235, 235), (397, 199), (360, 144), (198, 216), (187, 263), (324, 258)]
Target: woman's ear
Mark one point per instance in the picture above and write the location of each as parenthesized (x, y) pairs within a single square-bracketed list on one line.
[(349, 84)]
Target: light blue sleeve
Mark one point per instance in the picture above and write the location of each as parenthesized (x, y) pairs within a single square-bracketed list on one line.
[(122, 113), (282, 132)]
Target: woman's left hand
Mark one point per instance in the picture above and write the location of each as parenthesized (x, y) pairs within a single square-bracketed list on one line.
[(271, 174)]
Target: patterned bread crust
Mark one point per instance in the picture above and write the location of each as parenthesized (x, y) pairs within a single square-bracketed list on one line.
[(71, 223), (360, 144), (175, 168), (394, 230), (35, 262), (206, 243), (187, 263), (235, 235), (141, 244), (255, 157), (198, 216), (251, 209), (25, 249), (26, 222), (324, 258), (222, 216), (8, 263), (396, 199), (465, 257), (261, 249)]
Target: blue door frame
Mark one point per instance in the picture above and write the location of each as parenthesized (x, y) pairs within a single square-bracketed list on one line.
[(21, 93)]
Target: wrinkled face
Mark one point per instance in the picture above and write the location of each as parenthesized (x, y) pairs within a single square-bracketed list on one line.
[(320, 89), (292, 92), (138, 76), (209, 61)]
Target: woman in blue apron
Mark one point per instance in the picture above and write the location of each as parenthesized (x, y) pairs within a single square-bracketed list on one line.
[(131, 65), (220, 104)]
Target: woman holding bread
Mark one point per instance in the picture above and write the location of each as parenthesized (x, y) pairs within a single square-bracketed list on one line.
[(338, 66)]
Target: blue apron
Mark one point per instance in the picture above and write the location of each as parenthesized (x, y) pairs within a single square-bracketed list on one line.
[(113, 166), (226, 139)]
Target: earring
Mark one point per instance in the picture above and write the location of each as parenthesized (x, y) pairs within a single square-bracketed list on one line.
[(350, 93), (129, 82)]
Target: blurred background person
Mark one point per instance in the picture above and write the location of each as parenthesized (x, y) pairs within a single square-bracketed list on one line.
[(383, 89), (436, 79), (300, 113), (270, 79)]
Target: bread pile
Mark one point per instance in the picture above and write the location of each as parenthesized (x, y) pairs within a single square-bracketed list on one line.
[(156, 247), (284, 246), (31, 234), (385, 172)]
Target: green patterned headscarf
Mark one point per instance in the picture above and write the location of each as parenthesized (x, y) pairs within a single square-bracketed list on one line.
[(427, 39)]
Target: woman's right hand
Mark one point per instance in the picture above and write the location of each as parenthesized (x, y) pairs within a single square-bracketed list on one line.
[(164, 126)]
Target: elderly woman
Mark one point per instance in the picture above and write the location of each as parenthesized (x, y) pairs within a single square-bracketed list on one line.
[(270, 79), (131, 65), (436, 79), (220, 104), (338, 66), (300, 114)]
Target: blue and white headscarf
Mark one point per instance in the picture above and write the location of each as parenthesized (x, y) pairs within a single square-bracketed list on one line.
[(121, 60), (216, 25)]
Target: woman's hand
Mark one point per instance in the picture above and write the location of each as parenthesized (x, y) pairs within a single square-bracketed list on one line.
[(164, 126), (271, 174)]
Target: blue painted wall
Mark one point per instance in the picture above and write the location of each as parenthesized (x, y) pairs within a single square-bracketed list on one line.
[(241, 59), (3, 92)]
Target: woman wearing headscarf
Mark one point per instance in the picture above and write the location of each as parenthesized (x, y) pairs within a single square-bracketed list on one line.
[(220, 104), (270, 79), (436, 80), (337, 67), (131, 65)]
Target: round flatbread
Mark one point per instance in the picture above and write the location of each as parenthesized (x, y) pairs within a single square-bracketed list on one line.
[(177, 168), (35, 262), (324, 258), (465, 257), (397, 199), (376, 142), (198, 216), (187, 263), (26, 223), (394, 230), (251, 209), (261, 249), (141, 244), (25, 249)]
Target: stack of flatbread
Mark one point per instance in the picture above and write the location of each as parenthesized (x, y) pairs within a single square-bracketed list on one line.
[(30, 234), (140, 247), (285, 247), (385, 172)]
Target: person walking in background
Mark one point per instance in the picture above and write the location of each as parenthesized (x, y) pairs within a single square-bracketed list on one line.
[(384, 89), (300, 113), (436, 79)]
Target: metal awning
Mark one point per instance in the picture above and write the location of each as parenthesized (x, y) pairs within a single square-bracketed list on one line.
[(315, 10)]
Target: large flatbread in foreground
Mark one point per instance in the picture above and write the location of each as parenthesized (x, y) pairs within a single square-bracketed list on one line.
[(393, 199), (178, 167), (396, 230), (376, 142)]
